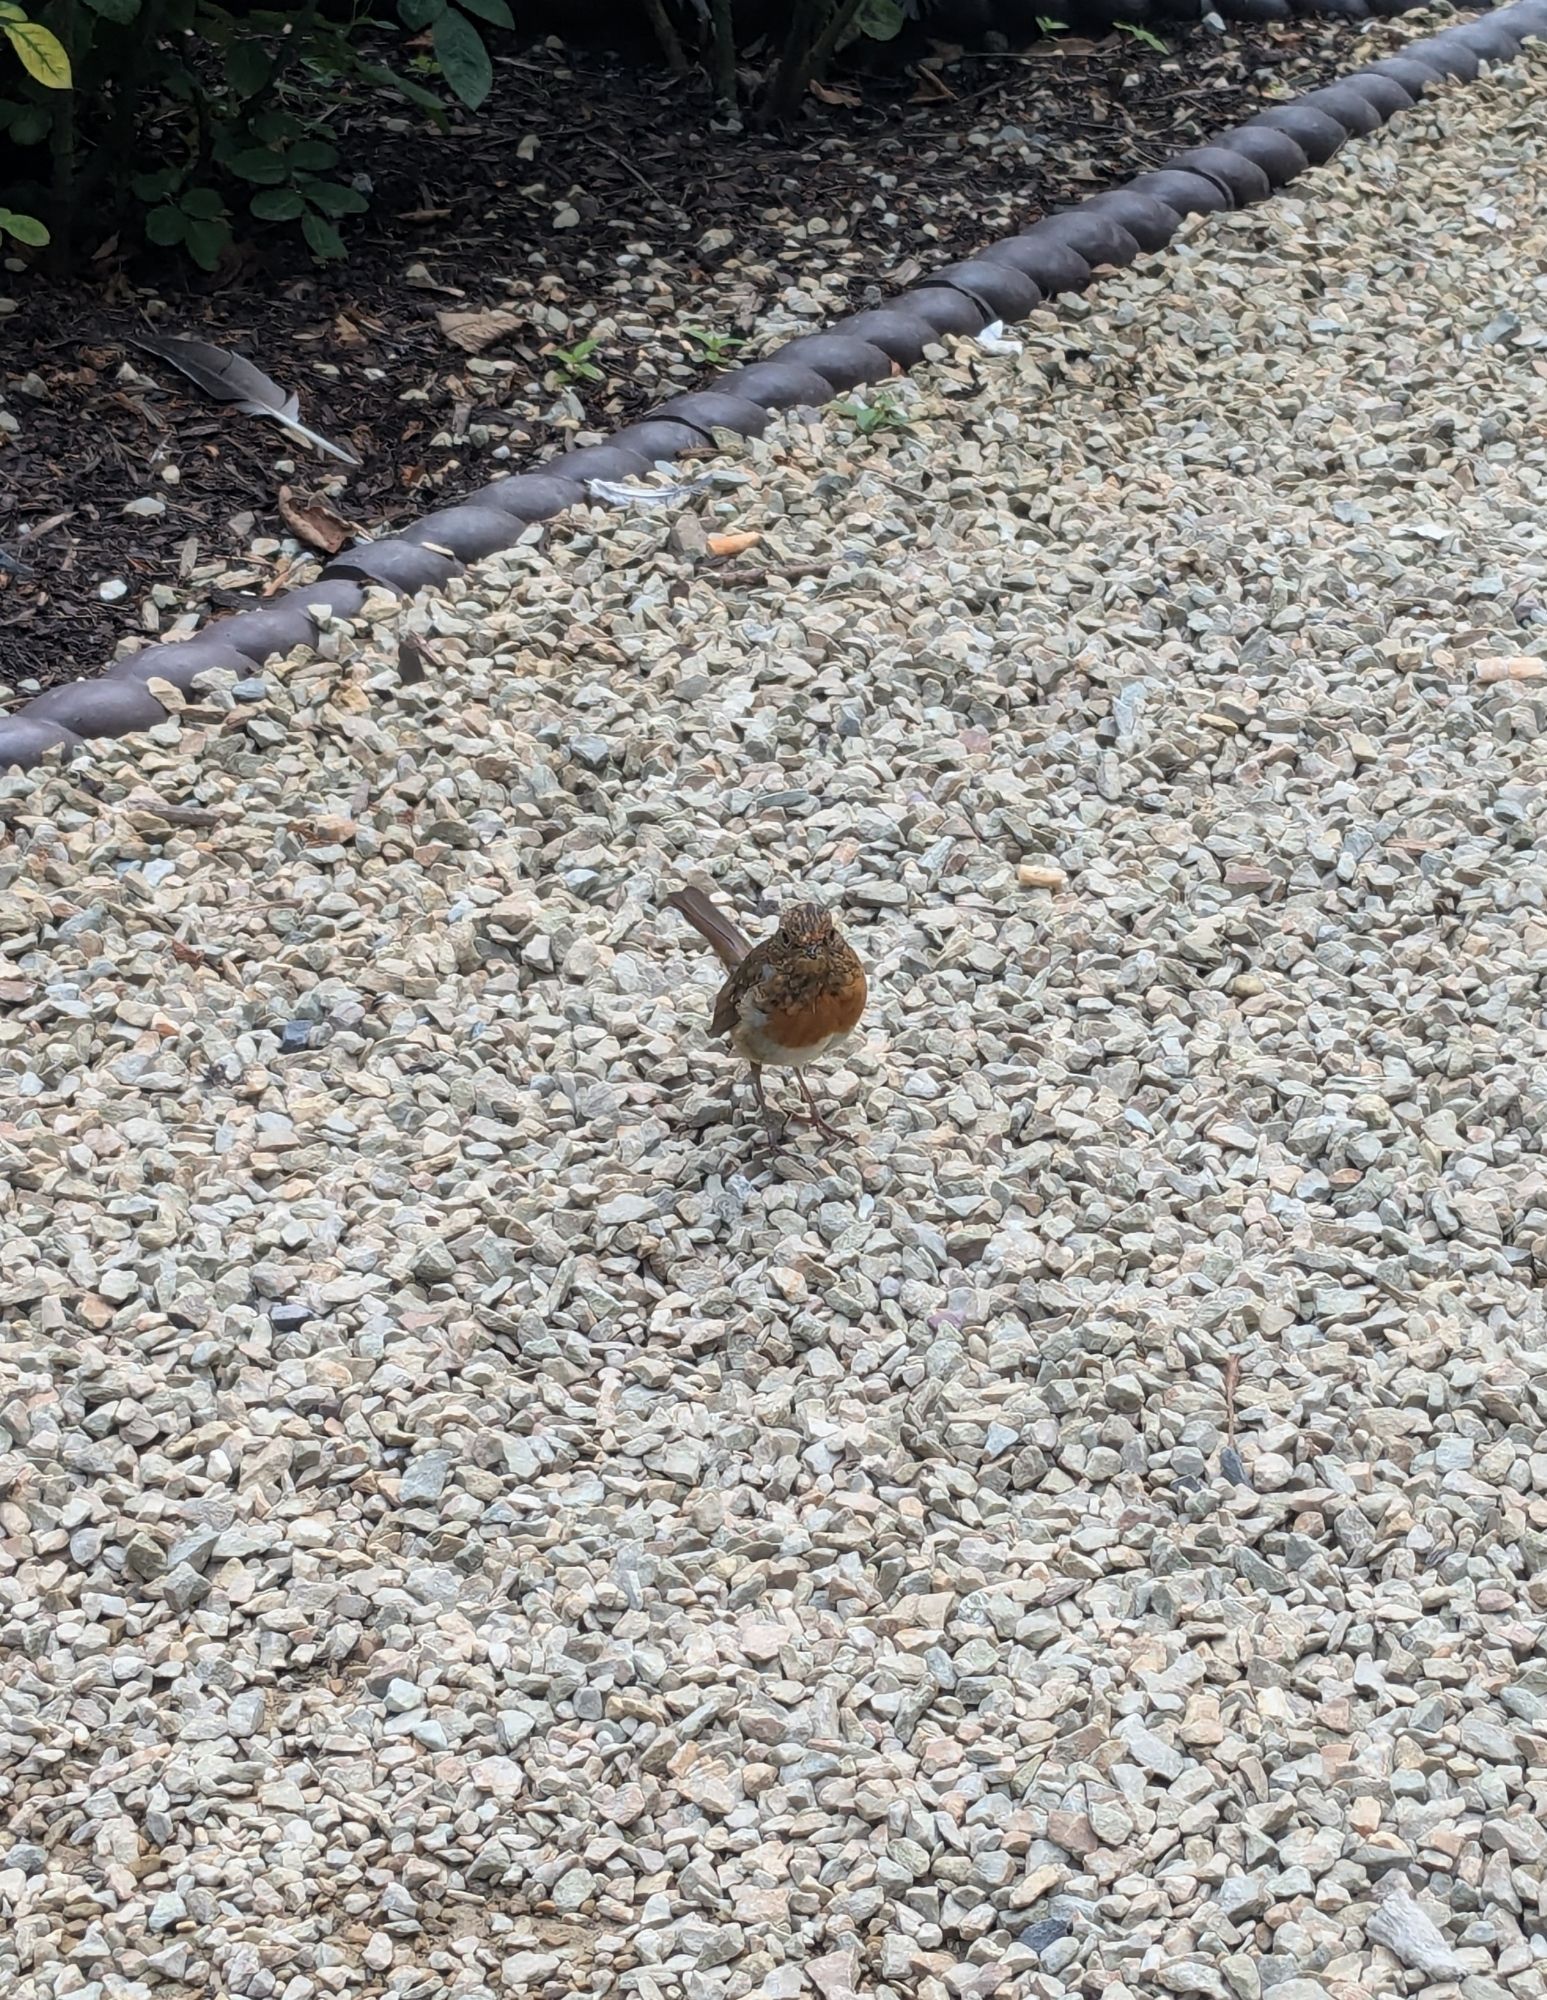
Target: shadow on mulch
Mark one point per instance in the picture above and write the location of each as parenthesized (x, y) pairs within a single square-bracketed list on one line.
[(631, 246)]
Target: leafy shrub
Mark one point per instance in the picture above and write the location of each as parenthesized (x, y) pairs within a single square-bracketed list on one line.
[(194, 115), (191, 121), (44, 58)]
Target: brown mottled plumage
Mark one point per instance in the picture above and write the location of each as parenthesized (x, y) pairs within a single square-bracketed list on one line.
[(790, 998)]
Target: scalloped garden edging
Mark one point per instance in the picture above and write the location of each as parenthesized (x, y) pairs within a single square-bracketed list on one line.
[(1005, 281)]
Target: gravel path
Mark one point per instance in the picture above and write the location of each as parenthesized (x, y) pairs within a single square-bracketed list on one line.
[(470, 1526)]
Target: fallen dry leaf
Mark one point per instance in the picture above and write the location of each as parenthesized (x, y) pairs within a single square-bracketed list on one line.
[(317, 523), (474, 331), (419, 277), (731, 545), (825, 93)]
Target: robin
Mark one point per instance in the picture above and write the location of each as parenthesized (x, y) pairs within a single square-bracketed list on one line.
[(788, 999)]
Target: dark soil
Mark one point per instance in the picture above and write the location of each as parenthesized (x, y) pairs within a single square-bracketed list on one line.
[(594, 199)]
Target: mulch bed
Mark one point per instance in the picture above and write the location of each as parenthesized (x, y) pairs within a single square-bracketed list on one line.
[(590, 202)]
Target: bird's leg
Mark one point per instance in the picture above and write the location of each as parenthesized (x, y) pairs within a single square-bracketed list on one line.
[(771, 1118), (828, 1131)]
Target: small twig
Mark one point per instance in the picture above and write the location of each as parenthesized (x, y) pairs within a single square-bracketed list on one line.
[(174, 815), (42, 528), (762, 573), (1232, 1377), (665, 201), (1050, 51)]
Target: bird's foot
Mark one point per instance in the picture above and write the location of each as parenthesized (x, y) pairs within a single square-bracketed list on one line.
[(823, 1125), (776, 1133)]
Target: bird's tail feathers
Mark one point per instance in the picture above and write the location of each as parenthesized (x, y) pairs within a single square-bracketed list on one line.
[(731, 944)]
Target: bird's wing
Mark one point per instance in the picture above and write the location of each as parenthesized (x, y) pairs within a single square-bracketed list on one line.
[(751, 972)]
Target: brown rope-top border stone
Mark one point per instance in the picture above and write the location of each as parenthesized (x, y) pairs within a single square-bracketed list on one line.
[(1005, 281)]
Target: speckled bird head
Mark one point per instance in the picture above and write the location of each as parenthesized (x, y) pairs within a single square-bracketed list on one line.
[(804, 927)]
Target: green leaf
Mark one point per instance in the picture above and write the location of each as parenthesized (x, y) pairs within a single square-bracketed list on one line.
[(276, 128), (464, 61), (878, 21), (332, 198), (324, 239), (203, 204), (42, 53), (417, 14), (121, 12), (166, 225), (258, 164), (326, 56), (310, 156), (277, 204), (31, 125), (9, 11), (415, 93), (25, 228), (248, 68), (156, 186), (205, 242), (490, 10)]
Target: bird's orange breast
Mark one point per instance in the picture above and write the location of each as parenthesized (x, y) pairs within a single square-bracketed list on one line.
[(814, 1018)]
